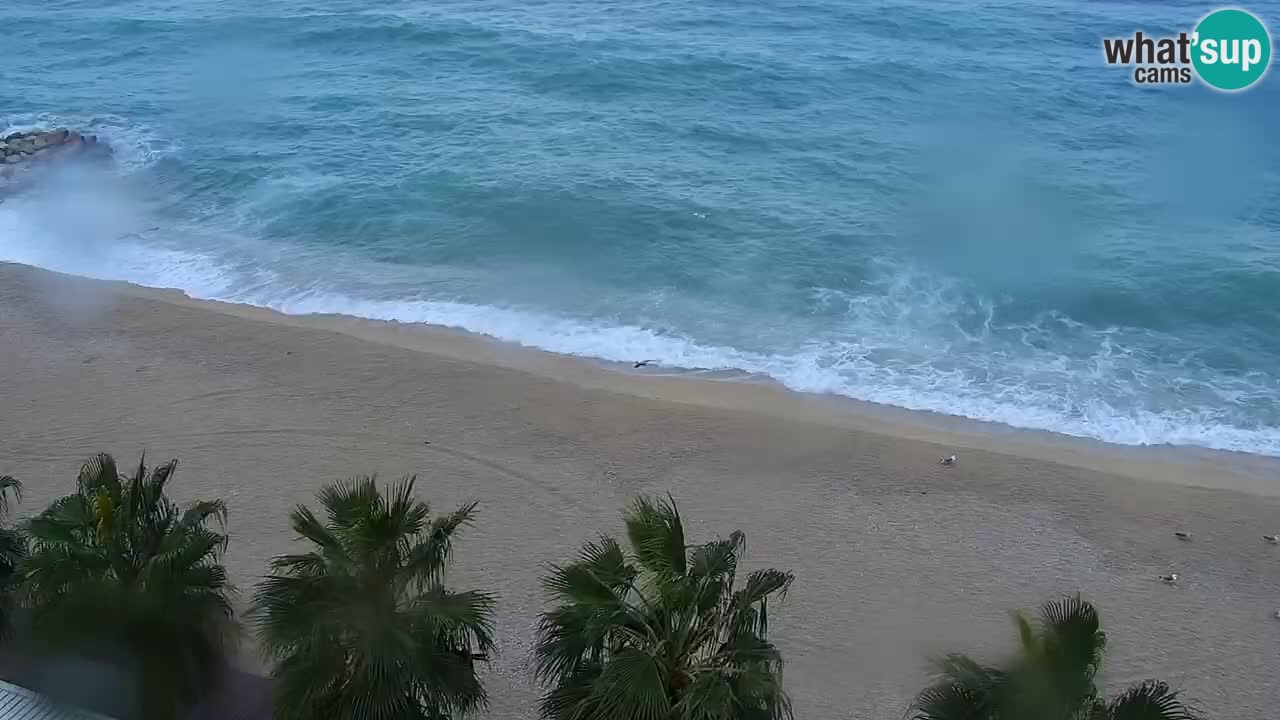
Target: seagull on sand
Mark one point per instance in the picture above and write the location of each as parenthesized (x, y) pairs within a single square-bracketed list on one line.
[(1169, 579), (1273, 539), (948, 460), (643, 363), (1183, 535)]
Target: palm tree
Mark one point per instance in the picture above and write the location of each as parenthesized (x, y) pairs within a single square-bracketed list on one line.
[(13, 548), (1051, 678), (362, 627), (660, 633), (119, 574)]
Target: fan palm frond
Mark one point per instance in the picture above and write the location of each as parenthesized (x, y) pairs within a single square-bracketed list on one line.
[(119, 573), (1150, 700), (1052, 677), (657, 537), (9, 485), (13, 548), (661, 631), (362, 627)]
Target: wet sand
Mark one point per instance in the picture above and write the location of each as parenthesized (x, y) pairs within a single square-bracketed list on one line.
[(897, 558)]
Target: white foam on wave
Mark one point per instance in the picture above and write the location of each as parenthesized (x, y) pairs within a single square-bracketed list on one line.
[(85, 221), (833, 368), (821, 368), (134, 145), (898, 344)]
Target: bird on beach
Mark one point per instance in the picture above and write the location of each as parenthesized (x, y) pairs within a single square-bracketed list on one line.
[(1278, 614), (948, 460), (1169, 579), (643, 363), (1183, 535), (1273, 539)]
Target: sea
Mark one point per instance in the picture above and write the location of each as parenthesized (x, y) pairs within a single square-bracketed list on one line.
[(944, 205)]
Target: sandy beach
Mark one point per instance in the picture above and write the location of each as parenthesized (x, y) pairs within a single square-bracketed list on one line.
[(896, 557)]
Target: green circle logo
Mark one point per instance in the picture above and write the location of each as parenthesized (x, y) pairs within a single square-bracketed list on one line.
[(1232, 49)]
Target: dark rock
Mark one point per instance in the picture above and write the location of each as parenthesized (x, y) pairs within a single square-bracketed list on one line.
[(22, 155)]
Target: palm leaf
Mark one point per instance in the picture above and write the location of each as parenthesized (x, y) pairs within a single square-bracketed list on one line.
[(763, 583), (465, 619), (429, 559), (750, 606), (952, 701), (1052, 677), (345, 502), (661, 632), (718, 558), (139, 502), (1056, 675), (1073, 634), (633, 686), (310, 528), (573, 697), (9, 486), (13, 548), (1150, 700), (198, 513), (99, 471), (710, 697), (362, 627), (115, 573), (12, 541), (597, 578), (657, 536)]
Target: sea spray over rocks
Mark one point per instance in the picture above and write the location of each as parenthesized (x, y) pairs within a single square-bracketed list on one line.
[(23, 154)]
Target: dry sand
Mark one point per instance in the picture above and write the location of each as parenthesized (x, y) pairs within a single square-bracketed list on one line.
[(896, 557)]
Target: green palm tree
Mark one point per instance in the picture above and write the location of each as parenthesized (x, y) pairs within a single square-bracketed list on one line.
[(661, 633), (1051, 678), (119, 574), (13, 548), (362, 627)]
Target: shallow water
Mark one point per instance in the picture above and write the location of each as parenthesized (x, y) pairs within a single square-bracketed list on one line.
[(950, 206)]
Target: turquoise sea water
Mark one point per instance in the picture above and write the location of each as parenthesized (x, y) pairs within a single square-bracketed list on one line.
[(942, 205)]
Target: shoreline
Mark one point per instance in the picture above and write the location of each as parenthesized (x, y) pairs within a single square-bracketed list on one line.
[(1183, 464), (897, 558)]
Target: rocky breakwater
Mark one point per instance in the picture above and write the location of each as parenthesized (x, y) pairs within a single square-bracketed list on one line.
[(23, 154)]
